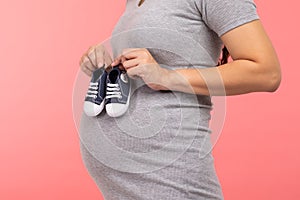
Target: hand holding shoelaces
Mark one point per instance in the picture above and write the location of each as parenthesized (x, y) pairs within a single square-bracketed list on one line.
[(138, 62), (95, 57)]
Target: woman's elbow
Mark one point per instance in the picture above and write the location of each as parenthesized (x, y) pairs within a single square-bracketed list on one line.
[(273, 78)]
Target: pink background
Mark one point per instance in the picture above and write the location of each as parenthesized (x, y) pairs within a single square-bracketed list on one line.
[(257, 155)]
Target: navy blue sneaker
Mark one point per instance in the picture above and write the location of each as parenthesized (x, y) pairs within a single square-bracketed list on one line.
[(95, 98), (117, 92)]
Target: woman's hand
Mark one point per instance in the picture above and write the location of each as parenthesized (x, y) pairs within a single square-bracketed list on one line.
[(140, 63), (95, 57)]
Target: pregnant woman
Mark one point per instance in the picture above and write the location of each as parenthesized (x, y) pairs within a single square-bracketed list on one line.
[(160, 149)]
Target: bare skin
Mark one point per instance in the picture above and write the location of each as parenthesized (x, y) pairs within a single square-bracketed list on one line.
[(96, 56), (255, 67)]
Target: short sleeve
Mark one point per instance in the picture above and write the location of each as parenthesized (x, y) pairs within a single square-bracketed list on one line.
[(224, 15)]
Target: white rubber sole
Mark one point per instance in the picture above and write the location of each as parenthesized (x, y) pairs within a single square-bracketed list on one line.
[(92, 109), (117, 109)]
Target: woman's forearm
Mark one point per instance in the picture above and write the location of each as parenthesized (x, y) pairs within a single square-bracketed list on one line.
[(237, 77)]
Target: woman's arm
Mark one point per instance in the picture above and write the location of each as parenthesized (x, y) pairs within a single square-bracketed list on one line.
[(255, 67)]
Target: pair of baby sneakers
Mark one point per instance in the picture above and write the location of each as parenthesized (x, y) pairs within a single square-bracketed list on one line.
[(109, 89)]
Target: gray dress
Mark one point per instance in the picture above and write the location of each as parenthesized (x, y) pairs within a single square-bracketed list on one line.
[(161, 148)]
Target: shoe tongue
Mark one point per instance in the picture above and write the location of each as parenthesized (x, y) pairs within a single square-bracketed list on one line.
[(96, 74), (114, 74)]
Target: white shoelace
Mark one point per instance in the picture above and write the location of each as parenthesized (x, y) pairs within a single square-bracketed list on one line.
[(92, 90), (113, 91)]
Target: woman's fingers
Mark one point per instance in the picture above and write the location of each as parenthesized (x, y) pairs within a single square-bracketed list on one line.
[(127, 64), (130, 50), (95, 57), (126, 55), (85, 57), (130, 54), (92, 56), (101, 56), (98, 56), (135, 72), (116, 61), (107, 58), (87, 64), (87, 71)]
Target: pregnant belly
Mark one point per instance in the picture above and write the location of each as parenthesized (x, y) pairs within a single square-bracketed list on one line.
[(157, 128)]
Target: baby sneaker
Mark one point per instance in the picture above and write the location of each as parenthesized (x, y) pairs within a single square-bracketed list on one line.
[(117, 92), (95, 98)]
